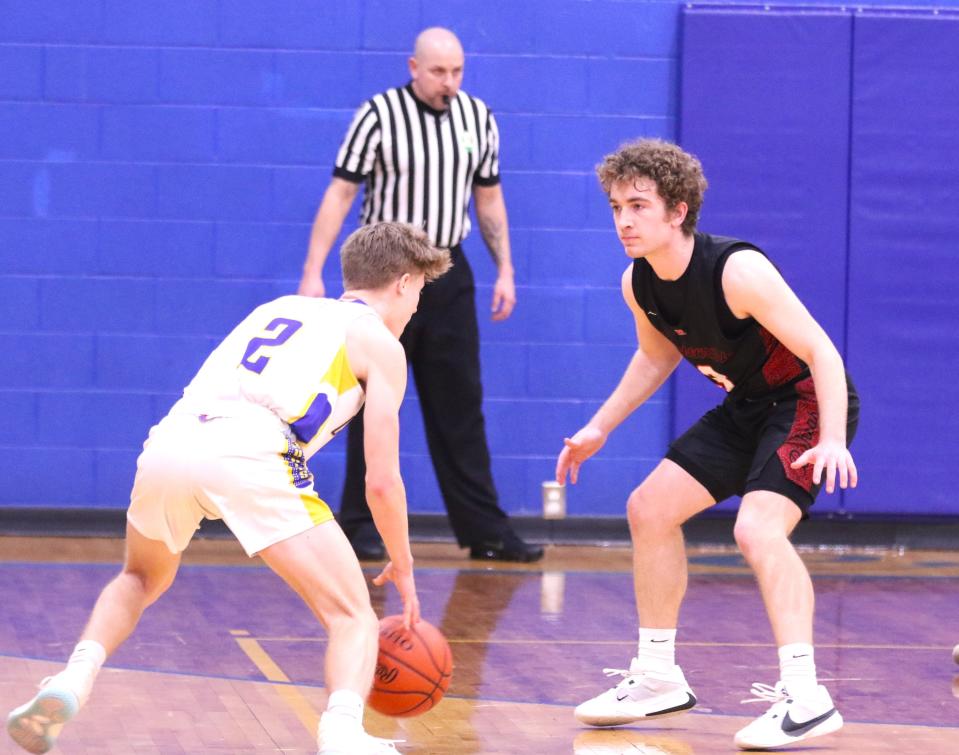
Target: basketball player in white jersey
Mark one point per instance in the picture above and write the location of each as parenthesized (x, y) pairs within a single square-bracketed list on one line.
[(235, 446)]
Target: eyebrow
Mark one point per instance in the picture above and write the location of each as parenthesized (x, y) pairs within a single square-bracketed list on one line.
[(630, 198)]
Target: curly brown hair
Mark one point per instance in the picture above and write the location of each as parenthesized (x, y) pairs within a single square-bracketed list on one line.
[(678, 175), (375, 255)]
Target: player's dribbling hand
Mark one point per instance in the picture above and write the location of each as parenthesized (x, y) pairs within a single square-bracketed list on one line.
[(832, 457), (406, 587), (576, 450)]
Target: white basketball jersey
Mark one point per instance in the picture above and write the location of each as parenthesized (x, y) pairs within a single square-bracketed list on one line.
[(287, 356)]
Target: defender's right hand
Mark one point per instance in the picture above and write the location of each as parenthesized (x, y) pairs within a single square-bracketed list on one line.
[(576, 450)]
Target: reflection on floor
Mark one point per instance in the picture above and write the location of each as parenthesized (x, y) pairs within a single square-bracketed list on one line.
[(229, 661)]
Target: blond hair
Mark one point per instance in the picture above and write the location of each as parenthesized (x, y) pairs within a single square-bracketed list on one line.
[(375, 255)]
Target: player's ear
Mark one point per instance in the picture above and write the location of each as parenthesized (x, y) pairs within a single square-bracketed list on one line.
[(402, 282), (678, 214)]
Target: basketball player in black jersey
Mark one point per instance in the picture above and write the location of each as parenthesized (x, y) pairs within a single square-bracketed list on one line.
[(781, 432)]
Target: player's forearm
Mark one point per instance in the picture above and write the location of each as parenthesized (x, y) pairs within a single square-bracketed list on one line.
[(386, 496), (642, 379), (829, 379)]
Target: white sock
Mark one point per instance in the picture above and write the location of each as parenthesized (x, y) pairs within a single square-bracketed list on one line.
[(345, 702), (797, 669), (82, 668), (89, 651), (657, 649)]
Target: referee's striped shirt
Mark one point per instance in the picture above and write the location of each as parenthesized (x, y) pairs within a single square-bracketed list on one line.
[(418, 164)]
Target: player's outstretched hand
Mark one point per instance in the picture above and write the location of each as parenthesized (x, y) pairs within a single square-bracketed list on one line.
[(406, 587), (833, 457), (576, 450)]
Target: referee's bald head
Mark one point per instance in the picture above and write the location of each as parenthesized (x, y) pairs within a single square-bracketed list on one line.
[(436, 67), (436, 39)]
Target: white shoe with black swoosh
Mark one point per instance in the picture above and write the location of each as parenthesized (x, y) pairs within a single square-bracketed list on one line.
[(789, 719), (642, 694)]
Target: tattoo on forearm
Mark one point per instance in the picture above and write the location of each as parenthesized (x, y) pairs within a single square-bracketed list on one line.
[(493, 230)]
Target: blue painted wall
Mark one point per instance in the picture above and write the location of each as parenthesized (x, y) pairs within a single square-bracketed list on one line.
[(160, 164)]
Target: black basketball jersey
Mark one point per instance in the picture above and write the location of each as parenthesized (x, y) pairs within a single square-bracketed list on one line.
[(738, 354)]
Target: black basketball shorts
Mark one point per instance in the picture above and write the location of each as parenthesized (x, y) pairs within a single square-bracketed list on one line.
[(745, 445)]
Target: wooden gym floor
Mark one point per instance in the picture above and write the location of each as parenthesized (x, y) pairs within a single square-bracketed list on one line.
[(229, 661)]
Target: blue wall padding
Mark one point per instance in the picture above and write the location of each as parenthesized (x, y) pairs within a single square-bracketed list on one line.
[(765, 106), (161, 164), (904, 262)]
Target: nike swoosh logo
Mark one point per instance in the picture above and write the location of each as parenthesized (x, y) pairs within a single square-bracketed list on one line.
[(659, 640), (621, 698), (690, 702), (797, 730), (804, 655), (651, 314)]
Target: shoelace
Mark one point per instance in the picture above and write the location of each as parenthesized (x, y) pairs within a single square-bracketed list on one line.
[(623, 672), (389, 743), (764, 693)]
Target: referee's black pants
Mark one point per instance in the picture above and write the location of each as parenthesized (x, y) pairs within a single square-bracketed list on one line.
[(442, 348)]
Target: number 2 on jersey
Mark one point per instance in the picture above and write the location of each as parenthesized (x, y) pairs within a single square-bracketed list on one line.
[(285, 328)]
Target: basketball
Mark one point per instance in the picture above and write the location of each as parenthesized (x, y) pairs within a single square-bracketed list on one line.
[(413, 669)]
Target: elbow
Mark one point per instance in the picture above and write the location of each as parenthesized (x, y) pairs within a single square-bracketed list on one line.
[(825, 358), (383, 486)]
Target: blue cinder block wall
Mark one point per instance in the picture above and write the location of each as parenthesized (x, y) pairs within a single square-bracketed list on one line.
[(160, 165)]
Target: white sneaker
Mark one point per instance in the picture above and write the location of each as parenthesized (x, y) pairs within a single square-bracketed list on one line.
[(339, 735), (788, 720), (36, 725), (641, 694)]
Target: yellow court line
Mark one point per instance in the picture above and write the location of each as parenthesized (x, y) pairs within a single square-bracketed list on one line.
[(273, 673)]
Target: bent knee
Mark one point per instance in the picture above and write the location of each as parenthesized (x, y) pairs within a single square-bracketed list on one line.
[(754, 539), (151, 585), (647, 514)]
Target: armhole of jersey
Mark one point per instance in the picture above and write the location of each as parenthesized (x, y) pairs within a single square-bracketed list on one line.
[(730, 325), (368, 311), (634, 283)]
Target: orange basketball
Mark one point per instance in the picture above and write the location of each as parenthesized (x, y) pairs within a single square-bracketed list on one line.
[(413, 669)]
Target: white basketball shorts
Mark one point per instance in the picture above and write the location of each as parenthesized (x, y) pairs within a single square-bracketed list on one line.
[(247, 471)]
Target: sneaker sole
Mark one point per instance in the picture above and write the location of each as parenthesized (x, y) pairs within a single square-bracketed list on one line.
[(35, 726), (830, 725), (677, 710), (513, 558)]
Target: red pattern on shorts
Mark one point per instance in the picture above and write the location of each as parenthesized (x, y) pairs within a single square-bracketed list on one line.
[(803, 435), (781, 364)]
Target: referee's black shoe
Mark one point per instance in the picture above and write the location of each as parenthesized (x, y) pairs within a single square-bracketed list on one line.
[(367, 544), (508, 547)]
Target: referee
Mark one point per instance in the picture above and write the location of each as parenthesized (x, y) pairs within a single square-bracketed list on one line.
[(421, 151)]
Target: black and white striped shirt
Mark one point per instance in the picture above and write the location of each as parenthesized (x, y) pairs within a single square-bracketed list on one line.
[(419, 165)]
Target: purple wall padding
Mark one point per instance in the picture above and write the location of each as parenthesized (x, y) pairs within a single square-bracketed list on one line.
[(903, 337), (765, 106)]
